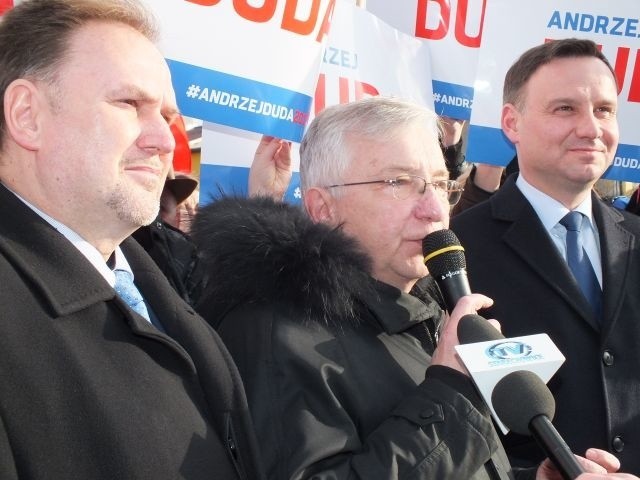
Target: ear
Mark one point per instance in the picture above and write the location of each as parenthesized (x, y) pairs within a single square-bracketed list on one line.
[(510, 122), (22, 108), (320, 205)]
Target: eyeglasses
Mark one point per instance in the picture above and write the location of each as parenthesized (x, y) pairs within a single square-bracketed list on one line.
[(405, 186)]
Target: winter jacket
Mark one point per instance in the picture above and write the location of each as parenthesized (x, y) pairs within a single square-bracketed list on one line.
[(176, 255), (337, 383)]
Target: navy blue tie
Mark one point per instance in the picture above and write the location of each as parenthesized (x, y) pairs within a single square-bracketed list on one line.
[(127, 290), (579, 261)]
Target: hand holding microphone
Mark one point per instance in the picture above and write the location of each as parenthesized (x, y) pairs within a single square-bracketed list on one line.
[(521, 399), (444, 257), (523, 402)]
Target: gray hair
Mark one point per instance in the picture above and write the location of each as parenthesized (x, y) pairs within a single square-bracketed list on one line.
[(325, 152)]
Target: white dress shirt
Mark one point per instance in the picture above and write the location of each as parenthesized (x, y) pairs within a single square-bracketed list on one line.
[(89, 251), (550, 212)]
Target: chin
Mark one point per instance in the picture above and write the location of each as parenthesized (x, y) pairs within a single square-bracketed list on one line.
[(138, 213), (420, 270)]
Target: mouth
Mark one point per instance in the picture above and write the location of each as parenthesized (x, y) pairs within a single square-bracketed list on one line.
[(146, 174), (431, 230), (588, 149)]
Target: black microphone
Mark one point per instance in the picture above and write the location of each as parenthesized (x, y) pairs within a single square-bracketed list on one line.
[(525, 405), (473, 328), (444, 257)]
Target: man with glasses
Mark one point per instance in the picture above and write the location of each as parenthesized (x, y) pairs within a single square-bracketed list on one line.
[(327, 317)]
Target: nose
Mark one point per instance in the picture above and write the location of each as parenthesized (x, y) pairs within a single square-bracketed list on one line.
[(589, 126), (156, 136), (431, 206)]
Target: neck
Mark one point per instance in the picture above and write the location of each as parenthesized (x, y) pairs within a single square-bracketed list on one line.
[(568, 194)]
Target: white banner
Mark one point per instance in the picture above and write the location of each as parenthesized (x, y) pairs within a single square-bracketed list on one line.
[(244, 66), (363, 57), (511, 27), (453, 31)]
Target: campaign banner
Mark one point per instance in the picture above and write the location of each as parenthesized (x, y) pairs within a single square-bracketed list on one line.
[(244, 66), (510, 28), (364, 56), (453, 30)]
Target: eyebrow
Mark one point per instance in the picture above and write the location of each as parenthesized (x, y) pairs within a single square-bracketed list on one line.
[(443, 172), (170, 112), (132, 91), (398, 170)]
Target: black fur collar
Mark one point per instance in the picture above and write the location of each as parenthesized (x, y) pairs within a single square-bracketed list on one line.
[(258, 250), (261, 251)]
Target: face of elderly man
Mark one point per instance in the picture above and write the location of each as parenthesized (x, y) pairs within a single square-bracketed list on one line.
[(391, 229)]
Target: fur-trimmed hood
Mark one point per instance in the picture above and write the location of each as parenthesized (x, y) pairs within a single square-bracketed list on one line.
[(258, 250)]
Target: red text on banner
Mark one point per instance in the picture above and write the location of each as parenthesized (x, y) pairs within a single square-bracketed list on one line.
[(360, 90), (461, 19), (290, 21), (620, 68)]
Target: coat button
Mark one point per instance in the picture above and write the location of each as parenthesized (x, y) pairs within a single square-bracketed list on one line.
[(426, 414), (618, 444), (607, 358)]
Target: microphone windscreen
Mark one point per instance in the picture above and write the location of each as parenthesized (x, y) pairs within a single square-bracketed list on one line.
[(519, 397), (443, 253), (473, 329)]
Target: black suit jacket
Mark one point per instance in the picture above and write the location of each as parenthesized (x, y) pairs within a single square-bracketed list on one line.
[(92, 390), (512, 259)]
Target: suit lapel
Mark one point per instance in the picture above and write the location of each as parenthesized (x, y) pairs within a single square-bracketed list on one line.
[(170, 309), (527, 237), (67, 282), (616, 250), (57, 271)]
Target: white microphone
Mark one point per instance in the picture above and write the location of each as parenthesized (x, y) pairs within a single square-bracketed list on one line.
[(489, 356)]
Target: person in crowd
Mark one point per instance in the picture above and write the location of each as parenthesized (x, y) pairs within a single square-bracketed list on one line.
[(633, 205), (167, 240), (179, 200), (451, 144), (169, 246), (106, 373), (271, 169), (482, 182), (577, 283), (345, 373)]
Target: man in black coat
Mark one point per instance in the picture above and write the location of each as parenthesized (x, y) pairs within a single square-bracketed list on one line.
[(91, 388), (559, 110), (327, 315)]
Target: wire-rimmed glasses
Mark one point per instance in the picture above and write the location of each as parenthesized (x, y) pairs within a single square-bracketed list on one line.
[(406, 185)]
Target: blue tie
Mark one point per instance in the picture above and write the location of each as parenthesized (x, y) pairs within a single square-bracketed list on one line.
[(126, 289), (579, 261)]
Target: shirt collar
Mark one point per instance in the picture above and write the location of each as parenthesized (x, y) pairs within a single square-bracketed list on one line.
[(89, 251), (549, 210)]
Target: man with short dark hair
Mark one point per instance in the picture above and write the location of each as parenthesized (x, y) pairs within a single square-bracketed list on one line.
[(577, 284)]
